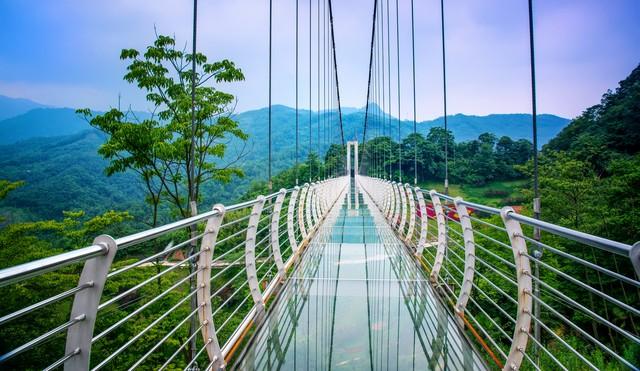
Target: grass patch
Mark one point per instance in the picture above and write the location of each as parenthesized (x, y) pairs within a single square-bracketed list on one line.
[(498, 193)]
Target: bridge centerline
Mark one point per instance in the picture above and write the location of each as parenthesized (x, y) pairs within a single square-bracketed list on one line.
[(369, 283)]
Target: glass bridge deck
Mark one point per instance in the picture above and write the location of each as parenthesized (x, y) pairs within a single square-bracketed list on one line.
[(358, 301)]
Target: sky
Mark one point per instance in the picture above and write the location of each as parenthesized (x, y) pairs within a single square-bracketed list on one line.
[(66, 52)]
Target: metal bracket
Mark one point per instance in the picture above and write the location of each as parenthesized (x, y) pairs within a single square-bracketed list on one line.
[(391, 205), (424, 218), (314, 205), (303, 197), (442, 237), (523, 269), (85, 303), (412, 214), (396, 205), (403, 207), (634, 255), (290, 223), (203, 278), (275, 232), (307, 210), (469, 257), (250, 253)]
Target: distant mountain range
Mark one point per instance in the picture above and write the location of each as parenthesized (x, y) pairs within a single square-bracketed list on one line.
[(22, 119), (55, 152), (11, 107)]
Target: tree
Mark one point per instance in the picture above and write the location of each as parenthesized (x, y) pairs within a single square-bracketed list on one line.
[(158, 148)]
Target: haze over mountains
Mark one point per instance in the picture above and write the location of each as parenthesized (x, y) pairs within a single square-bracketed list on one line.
[(55, 152), (22, 119)]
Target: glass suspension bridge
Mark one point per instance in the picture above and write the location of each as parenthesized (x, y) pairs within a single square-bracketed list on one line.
[(354, 269)]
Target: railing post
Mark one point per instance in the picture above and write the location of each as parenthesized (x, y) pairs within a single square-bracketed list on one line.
[(442, 237), (275, 232), (290, 220), (390, 199), (301, 210), (203, 278), (403, 208), (424, 219), (250, 253), (523, 275), (634, 255), (85, 305), (314, 205), (469, 257), (397, 205), (308, 210), (412, 214)]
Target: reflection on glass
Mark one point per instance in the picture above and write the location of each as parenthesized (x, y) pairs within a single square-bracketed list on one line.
[(357, 301)]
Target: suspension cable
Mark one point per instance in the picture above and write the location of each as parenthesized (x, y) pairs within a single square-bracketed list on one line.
[(366, 111), (335, 68), (270, 37), (415, 132), (444, 88), (310, 107), (389, 89), (399, 113), (297, 107)]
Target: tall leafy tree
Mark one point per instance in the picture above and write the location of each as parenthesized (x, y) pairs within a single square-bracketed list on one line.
[(158, 148)]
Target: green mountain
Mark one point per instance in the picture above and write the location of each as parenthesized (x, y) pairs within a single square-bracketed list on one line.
[(55, 152), (605, 130), (41, 122), (10, 107), (63, 173)]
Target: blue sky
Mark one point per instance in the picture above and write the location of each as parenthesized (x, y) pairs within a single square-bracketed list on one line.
[(65, 53)]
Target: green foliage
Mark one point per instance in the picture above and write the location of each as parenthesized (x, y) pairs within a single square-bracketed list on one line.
[(7, 186), (159, 149), (474, 162)]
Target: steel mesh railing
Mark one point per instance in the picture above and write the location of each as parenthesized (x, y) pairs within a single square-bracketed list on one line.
[(567, 300), (169, 297)]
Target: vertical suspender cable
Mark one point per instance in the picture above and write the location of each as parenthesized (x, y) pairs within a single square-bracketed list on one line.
[(318, 97), (366, 110), (415, 136), (399, 113), (536, 192), (297, 108), (534, 119), (384, 93), (310, 110), (192, 175), (270, 37), (389, 87), (335, 68), (193, 106), (444, 94)]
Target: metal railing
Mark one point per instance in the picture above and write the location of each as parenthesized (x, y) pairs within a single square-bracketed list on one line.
[(147, 301), (568, 300)]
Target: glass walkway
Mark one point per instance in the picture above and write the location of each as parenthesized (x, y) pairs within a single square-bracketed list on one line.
[(358, 301)]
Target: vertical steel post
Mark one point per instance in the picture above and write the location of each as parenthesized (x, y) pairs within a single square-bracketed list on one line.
[(523, 275), (469, 257), (250, 253), (442, 237), (424, 218), (290, 219), (412, 214), (203, 279), (85, 304), (275, 232)]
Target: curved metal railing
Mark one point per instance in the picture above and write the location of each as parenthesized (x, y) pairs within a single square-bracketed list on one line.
[(567, 300), (148, 301)]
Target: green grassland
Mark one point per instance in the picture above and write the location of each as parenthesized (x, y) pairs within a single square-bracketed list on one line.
[(498, 193)]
